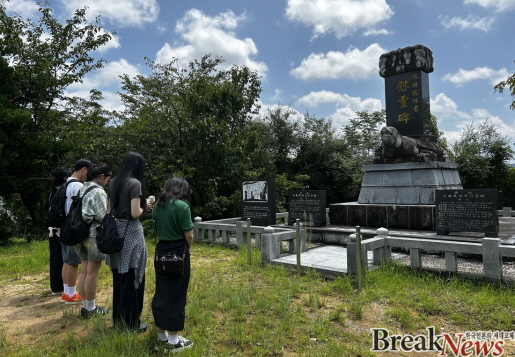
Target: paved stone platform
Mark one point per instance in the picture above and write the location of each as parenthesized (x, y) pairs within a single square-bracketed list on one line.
[(332, 259), (328, 259)]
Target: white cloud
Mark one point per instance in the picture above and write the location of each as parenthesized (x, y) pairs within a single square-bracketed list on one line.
[(24, 8), (343, 17), (203, 34), (123, 13), (113, 43), (478, 116), (468, 23), (444, 107), (375, 32), (497, 5), (463, 76), (107, 80), (266, 108), (278, 96), (111, 101), (106, 77), (346, 106), (446, 111), (353, 64)]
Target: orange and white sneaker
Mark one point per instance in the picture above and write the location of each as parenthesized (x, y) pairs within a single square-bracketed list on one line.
[(63, 297), (72, 300)]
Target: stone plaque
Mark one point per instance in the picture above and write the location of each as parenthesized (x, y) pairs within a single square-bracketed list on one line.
[(407, 104), (258, 202), (467, 211), (308, 206)]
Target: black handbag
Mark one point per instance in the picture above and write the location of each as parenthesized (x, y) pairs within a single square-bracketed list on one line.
[(169, 263)]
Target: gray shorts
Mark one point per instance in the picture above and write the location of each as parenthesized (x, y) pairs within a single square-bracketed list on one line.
[(87, 250), (70, 257)]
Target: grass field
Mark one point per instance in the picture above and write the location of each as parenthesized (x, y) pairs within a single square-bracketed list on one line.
[(236, 309)]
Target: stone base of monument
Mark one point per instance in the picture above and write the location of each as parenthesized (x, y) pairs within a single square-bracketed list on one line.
[(408, 183), (398, 195), (417, 217)]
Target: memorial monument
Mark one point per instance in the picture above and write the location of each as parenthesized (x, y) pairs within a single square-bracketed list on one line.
[(398, 189)]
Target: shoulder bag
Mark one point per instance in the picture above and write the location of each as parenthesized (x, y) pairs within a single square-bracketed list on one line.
[(169, 263), (108, 240)]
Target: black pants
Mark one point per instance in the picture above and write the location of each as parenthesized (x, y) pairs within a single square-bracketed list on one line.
[(169, 302), (56, 263), (127, 301)]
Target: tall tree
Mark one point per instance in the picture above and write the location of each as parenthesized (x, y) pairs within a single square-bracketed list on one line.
[(278, 131), (37, 63), (483, 154), (194, 122), (361, 138)]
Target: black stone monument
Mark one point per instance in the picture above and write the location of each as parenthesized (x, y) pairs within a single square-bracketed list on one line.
[(309, 206), (398, 190), (407, 90), (258, 202), (467, 211)]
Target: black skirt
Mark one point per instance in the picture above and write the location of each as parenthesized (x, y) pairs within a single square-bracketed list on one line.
[(169, 302)]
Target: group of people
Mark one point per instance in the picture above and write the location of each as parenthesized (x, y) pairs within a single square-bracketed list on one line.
[(126, 202)]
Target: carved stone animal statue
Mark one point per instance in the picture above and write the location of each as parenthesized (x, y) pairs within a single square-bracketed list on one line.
[(397, 148)]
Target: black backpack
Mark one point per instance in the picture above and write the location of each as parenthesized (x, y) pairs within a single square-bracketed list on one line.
[(108, 240), (56, 213), (74, 229)]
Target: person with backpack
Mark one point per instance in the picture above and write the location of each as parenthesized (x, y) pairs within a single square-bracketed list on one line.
[(94, 208), (56, 255), (128, 266), (71, 259)]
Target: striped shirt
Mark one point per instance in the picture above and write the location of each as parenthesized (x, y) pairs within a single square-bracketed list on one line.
[(94, 206)]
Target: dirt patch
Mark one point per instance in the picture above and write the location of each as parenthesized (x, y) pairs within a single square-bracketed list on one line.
[(28, 312)]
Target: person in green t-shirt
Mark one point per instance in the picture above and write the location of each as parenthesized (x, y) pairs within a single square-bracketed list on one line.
[(174, 229)]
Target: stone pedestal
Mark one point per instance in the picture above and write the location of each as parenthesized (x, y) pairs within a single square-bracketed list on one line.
[(398, 195), (418, 217), (409, 183)]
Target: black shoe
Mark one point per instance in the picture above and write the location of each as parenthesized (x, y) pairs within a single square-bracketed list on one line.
[(84, 313), (98, 310), (164, 346)]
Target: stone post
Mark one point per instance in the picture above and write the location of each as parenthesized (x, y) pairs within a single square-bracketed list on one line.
[(383, 254), (196, 233), (492, 260), (352, 264), (239, 233), (269, 246)]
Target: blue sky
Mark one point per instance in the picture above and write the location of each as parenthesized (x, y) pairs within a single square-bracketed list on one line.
[(316, 56)]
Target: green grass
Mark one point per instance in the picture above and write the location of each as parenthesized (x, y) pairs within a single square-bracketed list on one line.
[(236, 309)]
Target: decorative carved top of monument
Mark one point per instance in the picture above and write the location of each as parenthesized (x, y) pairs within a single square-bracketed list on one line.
[(396, 148), (406, 59)]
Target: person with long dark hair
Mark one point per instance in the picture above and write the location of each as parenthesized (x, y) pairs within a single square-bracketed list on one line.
[(174, 229), (128, 266), (94, 208), (56, 255)]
